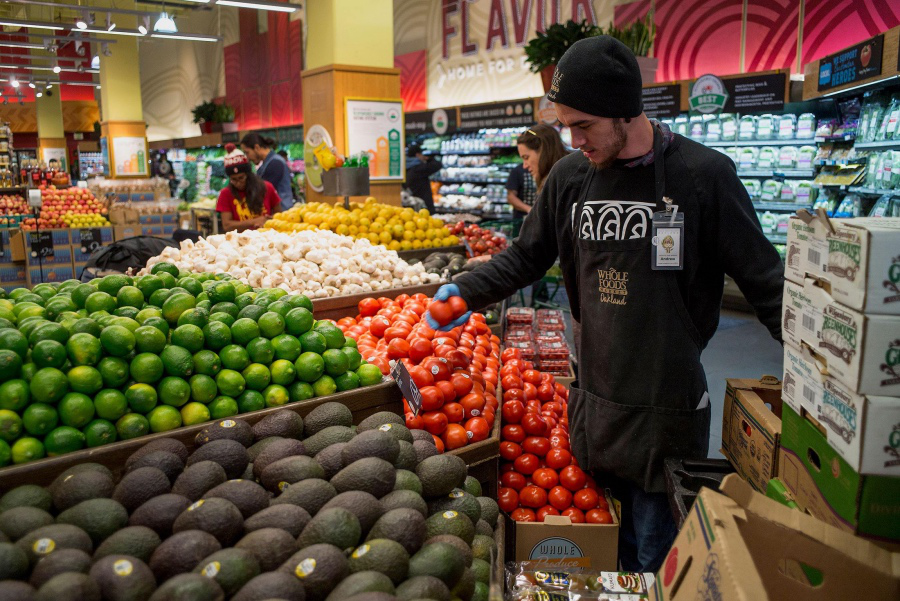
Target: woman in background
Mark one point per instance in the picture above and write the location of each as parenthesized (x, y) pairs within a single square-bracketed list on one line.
[(247, 201)]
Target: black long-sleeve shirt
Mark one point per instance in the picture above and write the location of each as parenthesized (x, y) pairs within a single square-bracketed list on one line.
[(722, 236), (418, 174)]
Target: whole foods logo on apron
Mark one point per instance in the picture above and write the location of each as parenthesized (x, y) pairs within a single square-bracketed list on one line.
[(614, 220)]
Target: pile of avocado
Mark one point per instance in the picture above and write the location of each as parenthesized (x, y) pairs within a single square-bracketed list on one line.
[(439, 263), (312, 509)]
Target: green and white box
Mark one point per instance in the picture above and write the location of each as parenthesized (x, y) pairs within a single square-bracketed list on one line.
[(864, 265)]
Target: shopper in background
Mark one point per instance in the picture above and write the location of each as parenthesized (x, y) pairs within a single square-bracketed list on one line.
[(247, 201), (270, 166), (540, 148), (642, 393), (521, 191), (419, 169)]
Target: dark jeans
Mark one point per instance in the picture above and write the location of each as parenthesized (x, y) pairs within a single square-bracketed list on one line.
[(647, 528)]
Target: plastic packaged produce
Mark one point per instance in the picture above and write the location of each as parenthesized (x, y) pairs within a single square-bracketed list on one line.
[(827, 202), (681, 125), (851, 206), (697, 130), (765, 127), (826, 128), (768, 155), (575, 583), (732, 153), (893, 117), (748, 157), (713, 128), (806, 193), (788, 192), (806, 126), (729, 126), (747, 128), (805, 157), (787, 127), (883, 207), (753, 187), (771, 190), (875, 118), (787, 157), (768, 221)]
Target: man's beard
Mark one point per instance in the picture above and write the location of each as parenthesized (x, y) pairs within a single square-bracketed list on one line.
[(615, 144)]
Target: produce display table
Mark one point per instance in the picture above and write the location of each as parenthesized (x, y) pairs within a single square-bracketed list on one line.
[(337, 307), (421, 253), (362, 403)]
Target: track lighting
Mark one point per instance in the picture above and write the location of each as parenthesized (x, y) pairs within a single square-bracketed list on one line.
[(104, 48), (165, 24), (109, 22), (56, 67), (95, 62)]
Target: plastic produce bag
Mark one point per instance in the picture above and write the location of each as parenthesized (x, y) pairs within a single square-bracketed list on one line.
[(552, 583)]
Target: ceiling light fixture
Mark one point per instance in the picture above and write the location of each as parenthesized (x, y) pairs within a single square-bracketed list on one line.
[(49, 85), (39, 94), (104, 48), (144, 27), (80, 50), (32, 24), (30, 45), (260, 5), (31, 85), (95, 62), (56, 67), (188, 37), (109, 22), (165, 24), (13, 82)]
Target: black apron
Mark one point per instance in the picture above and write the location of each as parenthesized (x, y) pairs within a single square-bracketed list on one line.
[(640, 377)]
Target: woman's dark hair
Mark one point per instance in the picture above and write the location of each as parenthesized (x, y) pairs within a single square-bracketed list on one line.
[(544, 139), (253, 139), (255, 193)]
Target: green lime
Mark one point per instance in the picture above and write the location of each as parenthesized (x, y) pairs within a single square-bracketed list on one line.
[(310, 367), (260, 350), (196, 317), (256, 376), (45, 291), (283, 372), (177, 304), (132, 425), (279, 307), (168, 280), (191, 285), (230, 382), (81, 293), (10, 425), (229, 308), (29, 324), (117, 341), (99, 432), (130, 296), (164, 418), (39, 418), (286, 347), (203, 388), (128, 323), (350, 343), (354, 359), (336, 362), (149, 284), (234, 357), (128, 312), (115, 371), (141, 398), (62, 440), (28, 371), (253, 312), (76, 410), (149, 340), (10, 365), (26, 449), (276, 396), (14, 395), (146, 368), (48, 385), (174, 391), (221, 292), (49, 331), (59, 306), (244, 300), (222, 317), (146, 313), (85, 379), (298, 321), (159, 297), (110, 404), (217, 335), (5, 453), (14, 341), (188, 336), (347, 381), (251, 400), (178, 361), (100, 301), (164, 267), (334, 337), (111, 284), (194, 413), (223, 406), (324, 386), (369, 374), (207, 363), (271, 324), (159, 323), (244, 330), (301, 391), (313, 342), (84, 349)]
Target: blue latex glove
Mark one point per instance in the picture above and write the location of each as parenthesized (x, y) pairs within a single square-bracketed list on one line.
[(443, 293)]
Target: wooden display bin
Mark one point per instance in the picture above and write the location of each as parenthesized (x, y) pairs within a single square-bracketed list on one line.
[(421, 253), (337, 307)]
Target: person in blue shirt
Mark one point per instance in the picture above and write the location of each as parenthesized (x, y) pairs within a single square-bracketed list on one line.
[(269, 166)]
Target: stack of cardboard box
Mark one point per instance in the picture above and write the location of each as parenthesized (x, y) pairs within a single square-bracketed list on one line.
[(840, 439), (129, 222), (49, 255)]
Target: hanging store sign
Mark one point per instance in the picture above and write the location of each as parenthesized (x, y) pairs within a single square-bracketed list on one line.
[(853, 64), (755, 93), (708, 95), (376, 127), (662, 101), (438, 121), (515, 113)]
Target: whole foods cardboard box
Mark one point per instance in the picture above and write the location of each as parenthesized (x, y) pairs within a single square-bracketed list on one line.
[(751, 428), (864, 264), (827, 487), (740, 545), (861, 351)]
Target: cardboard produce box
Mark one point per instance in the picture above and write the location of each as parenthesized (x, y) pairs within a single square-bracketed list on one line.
[(86, 240), (121, 232), (827, 487), (13, 275), (122, 215), (751, 428), (864, 265), (807, 249), (739, 545), (861, 351), (55, 273)]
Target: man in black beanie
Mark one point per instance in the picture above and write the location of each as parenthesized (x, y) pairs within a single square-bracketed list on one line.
[(646, 224)]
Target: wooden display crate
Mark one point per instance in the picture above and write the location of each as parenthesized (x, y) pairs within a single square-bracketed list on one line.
[(337, 307), (421, 253), (362, 403)]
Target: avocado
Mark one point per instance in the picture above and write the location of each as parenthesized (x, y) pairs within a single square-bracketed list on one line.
[(189, 587), (458, 500), (229, 429), (372, 596), (379, 419), (483, 528), (75, 488), (404, 498), (423, 587), (483, 546), (490, 511), (271, 585), (248, 496), (220, 517), (450, 522), (371, 474), (169, 463), (361, 582), (422, 435), (98, 517), (399, 431), (123, 578), (406, 458), (77, 469), (330, 459), (290, 518), (13, 590), (270, 546), (230, 568), (141, 485), (336, 526), (456, 541), (472, 486), (372, 443), (136, 541), (286, 447), (290, 470), (465, 588), (424, 450), (258, 447), (68, 586), (364, 506), (383, 555), (19, 521), (310, 494), (319, 568), (181, 552), (39, 543), (326, 415), (198, 478), (59, 562), (231, 455), (407, 480), (481, 569), (440, 474), (327, 437), (481, 592), (406, 526), (283, 423), (159, 513), (160, 444), (13, 562), (440, 560)]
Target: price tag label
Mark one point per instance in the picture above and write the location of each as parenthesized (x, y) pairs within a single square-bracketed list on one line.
[(407, 386), (91, 240), (42, 245)]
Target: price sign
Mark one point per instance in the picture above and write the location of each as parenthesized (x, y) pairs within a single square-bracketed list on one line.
[(42, 245), (407, 386), (91, 240)]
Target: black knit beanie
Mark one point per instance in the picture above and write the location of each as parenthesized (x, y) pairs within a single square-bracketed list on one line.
[(599, 76)]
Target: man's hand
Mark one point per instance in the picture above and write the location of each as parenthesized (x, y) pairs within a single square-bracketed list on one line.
[(444, 293)]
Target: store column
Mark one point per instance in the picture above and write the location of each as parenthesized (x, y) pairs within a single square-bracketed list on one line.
[(350, 55), (51, 133)]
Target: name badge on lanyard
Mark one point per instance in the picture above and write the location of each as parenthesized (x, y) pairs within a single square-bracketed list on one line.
[(667, 244)]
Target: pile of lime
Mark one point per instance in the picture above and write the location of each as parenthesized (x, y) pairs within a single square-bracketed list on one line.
[(86, 364)]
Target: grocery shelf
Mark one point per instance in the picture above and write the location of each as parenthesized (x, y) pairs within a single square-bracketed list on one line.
[(805, 142), (872, 191), (776, 173), (841, 138), (471, 181), (882, 145), (840, 162), (779, 206), (13, 189), (457, 153), (777, 238)]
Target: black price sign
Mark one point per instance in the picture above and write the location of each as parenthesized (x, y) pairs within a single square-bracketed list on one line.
[(407, 386), (438, 121), (42, 245), (755, 93), (513, 113), (662, 101), (91, 240), (856, 63)]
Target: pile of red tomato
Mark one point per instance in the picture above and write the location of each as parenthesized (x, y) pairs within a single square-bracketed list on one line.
[(456, 372), (539, 476)]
